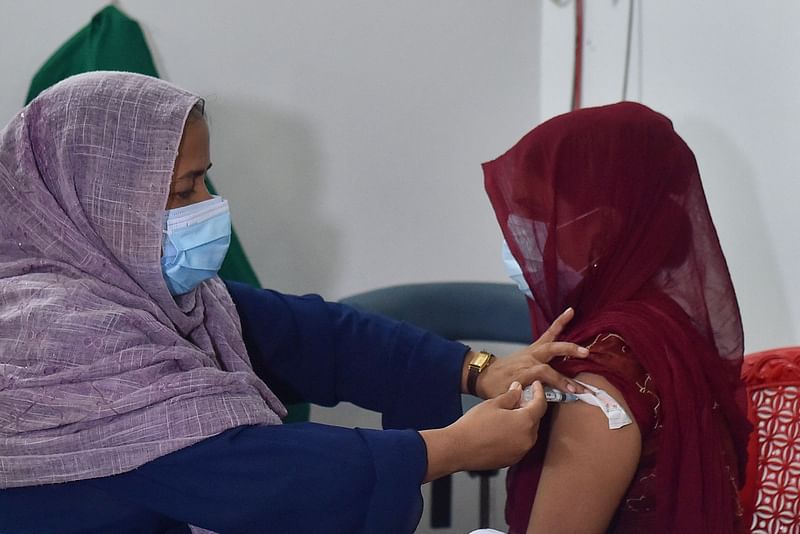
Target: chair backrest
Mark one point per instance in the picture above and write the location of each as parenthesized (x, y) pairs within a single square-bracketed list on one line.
[(771, 496), (481, 311), (475, 311)]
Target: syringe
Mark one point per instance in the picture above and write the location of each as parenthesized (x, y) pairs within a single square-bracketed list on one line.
[(550, 395)]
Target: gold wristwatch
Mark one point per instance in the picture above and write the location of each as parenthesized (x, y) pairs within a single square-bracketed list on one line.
[(476, 365)]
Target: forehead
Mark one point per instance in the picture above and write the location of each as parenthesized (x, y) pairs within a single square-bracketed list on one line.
[(195, 139), (194, 148)]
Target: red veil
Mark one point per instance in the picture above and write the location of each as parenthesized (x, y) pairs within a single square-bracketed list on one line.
[(604, 210)]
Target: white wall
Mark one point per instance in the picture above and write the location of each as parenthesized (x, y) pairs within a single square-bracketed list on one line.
[(348, 135), (726, 73)]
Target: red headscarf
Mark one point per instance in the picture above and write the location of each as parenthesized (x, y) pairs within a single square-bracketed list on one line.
[(604, 210)]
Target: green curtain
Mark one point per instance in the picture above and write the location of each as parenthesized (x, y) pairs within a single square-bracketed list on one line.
[(114, 41), (111, 41)]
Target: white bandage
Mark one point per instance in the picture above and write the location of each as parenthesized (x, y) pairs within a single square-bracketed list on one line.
[(617, 417)]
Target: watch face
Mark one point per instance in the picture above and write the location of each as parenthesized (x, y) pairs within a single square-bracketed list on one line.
[(480, 361)]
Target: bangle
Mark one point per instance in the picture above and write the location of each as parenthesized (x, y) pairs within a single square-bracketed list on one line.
[(476, 365)]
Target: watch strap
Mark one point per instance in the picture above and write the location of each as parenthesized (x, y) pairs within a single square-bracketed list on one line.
[(476, 365)]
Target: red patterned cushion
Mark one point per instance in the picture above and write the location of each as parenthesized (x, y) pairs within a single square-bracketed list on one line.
[(772, 489)]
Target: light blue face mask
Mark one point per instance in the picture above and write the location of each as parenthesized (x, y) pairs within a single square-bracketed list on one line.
[(514, 271), (196, 240), (568, 278)]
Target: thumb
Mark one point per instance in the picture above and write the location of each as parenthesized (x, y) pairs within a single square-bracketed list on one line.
[(510, 399), (538, 405)]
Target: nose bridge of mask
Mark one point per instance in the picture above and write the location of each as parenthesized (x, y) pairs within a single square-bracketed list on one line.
[(185, 216), (195, 235), (197, 224)]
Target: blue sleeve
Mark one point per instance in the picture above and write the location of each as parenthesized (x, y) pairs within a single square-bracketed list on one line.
[(308, 349), (375, 478), (332, 479), (304, 477)]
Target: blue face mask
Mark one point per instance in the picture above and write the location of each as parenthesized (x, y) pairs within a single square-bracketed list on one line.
[(514, 271), (196, 239), (568, 278)]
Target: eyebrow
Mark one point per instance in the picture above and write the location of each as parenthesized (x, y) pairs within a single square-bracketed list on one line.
[(194, 174)]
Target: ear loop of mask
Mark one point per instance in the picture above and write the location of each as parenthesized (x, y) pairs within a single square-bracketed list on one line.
[(574, 274)]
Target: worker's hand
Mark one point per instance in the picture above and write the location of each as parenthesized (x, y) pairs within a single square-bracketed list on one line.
[(529, 364), (496, 433)]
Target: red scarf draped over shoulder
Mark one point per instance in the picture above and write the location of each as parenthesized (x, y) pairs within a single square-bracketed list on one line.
[(604, 210)]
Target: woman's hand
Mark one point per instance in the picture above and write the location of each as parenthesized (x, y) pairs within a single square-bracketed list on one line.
[(529, 364), (496, 433)]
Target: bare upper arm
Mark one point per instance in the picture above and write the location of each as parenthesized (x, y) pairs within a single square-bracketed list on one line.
[(587, 467)]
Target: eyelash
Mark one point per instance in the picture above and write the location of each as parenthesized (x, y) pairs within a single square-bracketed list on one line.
[(185, 195)]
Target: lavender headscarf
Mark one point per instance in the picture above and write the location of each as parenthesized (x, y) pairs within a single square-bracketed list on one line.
[(101, 368)]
